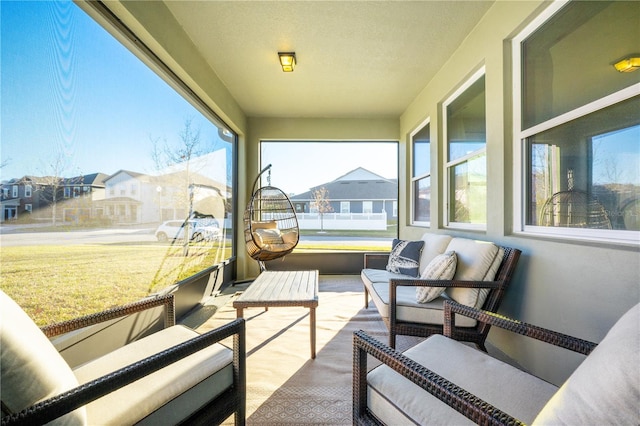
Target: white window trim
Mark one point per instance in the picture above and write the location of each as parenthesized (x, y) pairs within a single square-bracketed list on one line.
[(415, 179), (448, 164), (519, 135)]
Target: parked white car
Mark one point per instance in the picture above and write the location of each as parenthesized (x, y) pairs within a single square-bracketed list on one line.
[(199, 230)]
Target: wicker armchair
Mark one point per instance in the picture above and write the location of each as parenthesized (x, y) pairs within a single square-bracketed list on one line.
[(604, 389), (476, 334), (28, 356)]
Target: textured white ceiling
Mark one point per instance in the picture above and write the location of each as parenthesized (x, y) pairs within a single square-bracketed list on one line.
[(355, 58)]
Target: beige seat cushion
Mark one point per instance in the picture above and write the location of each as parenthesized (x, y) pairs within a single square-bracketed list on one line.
[(408, 308), (32, 370), (183, 386), (397, 401)]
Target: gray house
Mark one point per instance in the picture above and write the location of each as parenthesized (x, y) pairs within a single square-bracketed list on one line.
[(359, 191)]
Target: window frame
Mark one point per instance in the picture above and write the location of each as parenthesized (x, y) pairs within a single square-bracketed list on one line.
[(417, 178), (520, 135), (449, 165)]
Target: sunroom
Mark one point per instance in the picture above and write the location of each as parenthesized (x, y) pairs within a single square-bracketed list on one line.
[(510, 122)]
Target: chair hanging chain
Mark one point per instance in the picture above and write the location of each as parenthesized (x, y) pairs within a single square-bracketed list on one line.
[(269, 178)]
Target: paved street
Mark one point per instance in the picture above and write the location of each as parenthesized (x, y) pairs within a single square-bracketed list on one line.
[(12, 235), (28, 235)]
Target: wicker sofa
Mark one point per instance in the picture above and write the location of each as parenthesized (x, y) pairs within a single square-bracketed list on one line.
[(426, 384), (481, 276), (172, 376)]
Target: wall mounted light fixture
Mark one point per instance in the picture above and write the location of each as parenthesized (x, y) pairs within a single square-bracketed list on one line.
[(628, 64), (287, 61)]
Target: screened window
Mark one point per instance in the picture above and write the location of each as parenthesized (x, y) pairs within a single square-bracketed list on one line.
[(145, 150), (465, 169), (421, 175), (326, 178), (580, 131)]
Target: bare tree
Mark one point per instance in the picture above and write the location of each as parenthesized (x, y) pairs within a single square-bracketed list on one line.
[(174, 161), (165, 155), (322, 202), (51, 183)]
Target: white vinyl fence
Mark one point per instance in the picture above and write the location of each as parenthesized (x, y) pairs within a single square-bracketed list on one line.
[(343, 221)]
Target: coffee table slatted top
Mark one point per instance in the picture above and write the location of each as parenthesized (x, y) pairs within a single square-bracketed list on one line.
[(281, 288)]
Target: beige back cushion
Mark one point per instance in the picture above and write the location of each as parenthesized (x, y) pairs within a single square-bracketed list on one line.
[(434, 245), (32, 370), (605, 388), (269, 224), (477, 261)]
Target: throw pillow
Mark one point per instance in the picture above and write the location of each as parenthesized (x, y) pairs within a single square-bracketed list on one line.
[(405, 257), (442, 267), (266, 237)]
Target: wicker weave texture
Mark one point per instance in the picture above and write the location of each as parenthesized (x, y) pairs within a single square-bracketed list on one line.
[(232, 402), (457, 398), (477, 334)]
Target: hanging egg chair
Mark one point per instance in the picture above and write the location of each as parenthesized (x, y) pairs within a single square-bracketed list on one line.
[(270, 223), (574, 209)]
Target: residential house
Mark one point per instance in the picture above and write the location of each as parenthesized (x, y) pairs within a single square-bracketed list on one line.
[(133, 198), (52, 198), (360, 199), (80, 197)]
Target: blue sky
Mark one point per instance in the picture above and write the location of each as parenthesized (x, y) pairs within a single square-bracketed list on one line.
[(297, 167), (101, 111), (59, 96)]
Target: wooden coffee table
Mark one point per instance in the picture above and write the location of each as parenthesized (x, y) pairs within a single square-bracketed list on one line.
[(283, 288)]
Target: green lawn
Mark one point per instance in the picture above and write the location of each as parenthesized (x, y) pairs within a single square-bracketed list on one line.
[(56, 283)]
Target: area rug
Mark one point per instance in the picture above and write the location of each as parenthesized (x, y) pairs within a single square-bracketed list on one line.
[(284, 385)]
